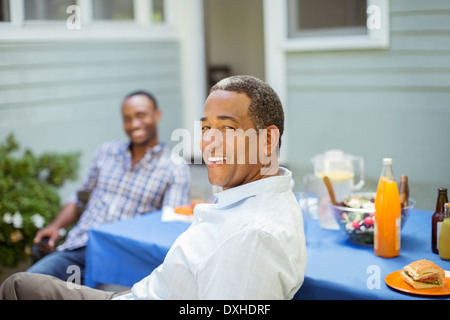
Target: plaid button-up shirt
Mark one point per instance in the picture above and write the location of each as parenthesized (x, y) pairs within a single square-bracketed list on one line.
[(120, 190)]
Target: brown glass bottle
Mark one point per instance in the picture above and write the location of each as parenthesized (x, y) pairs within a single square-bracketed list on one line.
[(404, 191), (438, 217)]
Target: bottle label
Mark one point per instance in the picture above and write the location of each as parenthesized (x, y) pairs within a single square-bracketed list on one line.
[(375, 238), (398, 224), (438, 230)]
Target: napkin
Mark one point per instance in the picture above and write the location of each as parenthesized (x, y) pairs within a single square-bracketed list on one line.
[(168, 215)]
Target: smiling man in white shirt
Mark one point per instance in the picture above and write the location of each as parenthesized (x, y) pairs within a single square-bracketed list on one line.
[(249, 243)]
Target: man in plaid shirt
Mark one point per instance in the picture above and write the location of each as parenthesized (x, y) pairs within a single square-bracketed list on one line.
[(125, 179)]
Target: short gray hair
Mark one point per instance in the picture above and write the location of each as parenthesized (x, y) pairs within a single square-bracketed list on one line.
[(265, 108)]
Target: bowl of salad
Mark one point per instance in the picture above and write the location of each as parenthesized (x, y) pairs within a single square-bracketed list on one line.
[(356, 216)]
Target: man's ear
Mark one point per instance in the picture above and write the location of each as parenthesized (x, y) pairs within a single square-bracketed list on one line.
[(273, 138), (269, 156), (157, 115)]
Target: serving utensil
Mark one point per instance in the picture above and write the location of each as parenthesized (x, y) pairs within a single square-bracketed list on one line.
[(330, 189)]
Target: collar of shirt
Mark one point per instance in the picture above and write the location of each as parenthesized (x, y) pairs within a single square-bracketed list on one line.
[(151, 152), (276, 184)]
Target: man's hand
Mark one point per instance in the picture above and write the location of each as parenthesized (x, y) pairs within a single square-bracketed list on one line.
[(66, 216), (46, 239)]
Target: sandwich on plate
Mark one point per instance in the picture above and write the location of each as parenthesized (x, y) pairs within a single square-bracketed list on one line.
[(423, 274)]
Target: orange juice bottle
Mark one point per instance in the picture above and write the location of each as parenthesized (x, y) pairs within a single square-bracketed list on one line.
[(387, 214)]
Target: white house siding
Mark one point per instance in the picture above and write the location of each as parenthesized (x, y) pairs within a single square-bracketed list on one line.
[(66, 96), (379, 103)]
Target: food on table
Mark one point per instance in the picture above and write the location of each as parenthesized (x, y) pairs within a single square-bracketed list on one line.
[(188, 209), (356, 216), (423, 274)]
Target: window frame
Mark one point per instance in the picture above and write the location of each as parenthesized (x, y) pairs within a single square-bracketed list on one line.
[(373, 39), (140, 28)]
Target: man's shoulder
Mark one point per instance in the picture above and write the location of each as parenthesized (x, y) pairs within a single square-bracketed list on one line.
[(113, 147), (272, 213)]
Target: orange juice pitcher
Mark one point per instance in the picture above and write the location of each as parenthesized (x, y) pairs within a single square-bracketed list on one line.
[(387, 214)]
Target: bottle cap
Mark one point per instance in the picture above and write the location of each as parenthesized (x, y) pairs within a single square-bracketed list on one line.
[(447, 208), (387, 160)]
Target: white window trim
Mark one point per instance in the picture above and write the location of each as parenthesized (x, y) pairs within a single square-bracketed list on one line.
[(374, 39), (190, 19), (142, 28), (275, 32), (277, 44)]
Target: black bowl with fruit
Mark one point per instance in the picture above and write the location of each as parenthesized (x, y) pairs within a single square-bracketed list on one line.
[(357, 216)]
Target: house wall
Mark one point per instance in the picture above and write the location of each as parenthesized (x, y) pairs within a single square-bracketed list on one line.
[(66, 96), (379, 103)]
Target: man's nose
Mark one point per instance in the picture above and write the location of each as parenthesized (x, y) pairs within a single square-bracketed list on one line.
[(135, 123), (212, 139)]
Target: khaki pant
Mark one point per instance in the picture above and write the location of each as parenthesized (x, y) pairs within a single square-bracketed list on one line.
[(32, 286)]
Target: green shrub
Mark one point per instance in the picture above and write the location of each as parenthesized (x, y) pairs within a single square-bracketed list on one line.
[(29, 196)]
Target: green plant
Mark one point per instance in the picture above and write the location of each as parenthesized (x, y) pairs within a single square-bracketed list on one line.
[(29, 196)]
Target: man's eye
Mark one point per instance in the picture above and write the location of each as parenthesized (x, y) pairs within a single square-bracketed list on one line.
[(205, 128), (229, 128)]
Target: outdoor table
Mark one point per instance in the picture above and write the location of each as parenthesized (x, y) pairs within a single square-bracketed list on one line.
[(336, 268), (124, 252)]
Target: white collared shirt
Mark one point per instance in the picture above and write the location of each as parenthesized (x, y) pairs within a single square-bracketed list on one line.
[(248, 244)]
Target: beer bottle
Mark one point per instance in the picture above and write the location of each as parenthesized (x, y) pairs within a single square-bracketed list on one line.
[(404, 191), (437, 218)]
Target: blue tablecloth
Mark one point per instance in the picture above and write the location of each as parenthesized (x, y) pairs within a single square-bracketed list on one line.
[(339, 269), (124, 252)]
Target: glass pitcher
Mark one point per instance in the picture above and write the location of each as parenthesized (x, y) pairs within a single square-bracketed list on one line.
[(340, 168)]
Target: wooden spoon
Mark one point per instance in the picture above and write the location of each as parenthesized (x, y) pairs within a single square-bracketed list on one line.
[(327, 182)]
